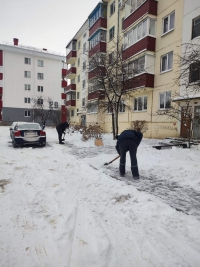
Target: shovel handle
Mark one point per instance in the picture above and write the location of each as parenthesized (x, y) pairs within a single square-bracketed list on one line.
[(112, 160)]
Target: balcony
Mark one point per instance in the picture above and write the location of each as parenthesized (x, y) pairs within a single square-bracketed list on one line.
[(70, 87), (1, 104), (63, 96), (1, 90), (142, 80), (63, 83), (100, 47), (148, 7), (71, 73), (147, 43), (100, 23), (99, 94), (64, 71), (70, 103), (71, 57), (97, 71)]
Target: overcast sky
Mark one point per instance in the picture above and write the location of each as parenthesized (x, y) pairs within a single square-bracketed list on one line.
[(47, 24)]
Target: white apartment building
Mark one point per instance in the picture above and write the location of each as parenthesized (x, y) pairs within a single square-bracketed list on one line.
[(27, 73)]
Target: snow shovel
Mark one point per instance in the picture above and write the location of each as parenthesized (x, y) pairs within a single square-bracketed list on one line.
[(63, 139), (107, 163)]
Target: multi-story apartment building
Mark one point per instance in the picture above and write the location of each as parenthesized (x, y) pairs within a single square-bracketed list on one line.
[(27, 73), (152, 34)]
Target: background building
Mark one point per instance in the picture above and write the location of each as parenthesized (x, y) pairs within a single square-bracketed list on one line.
[(26, 73)]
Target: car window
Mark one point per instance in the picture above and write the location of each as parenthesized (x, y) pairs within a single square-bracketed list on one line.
[(28, 126)]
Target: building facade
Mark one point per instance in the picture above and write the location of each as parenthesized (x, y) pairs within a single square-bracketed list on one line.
[(27, 73), (152, 35)]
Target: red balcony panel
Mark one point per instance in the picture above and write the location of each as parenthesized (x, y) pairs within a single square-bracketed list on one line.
[(100, 23), (1, 103), (64, 72), (148, 7), (71, 103), (71, 54), (96, 72), (147, 43), (143, 80), (1, 76), (71, 87), (1, 58), (71, 70), (63, 84), (63, 96), (96, 95), (1, 90), (100, 47)]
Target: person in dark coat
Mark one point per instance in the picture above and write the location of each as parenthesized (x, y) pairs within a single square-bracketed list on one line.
[(129, 140), (61, 128)]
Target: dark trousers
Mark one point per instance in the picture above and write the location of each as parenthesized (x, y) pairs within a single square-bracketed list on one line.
[(59, 134), (124, 146)]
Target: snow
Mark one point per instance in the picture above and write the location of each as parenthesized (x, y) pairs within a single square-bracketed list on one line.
[(60, 206)]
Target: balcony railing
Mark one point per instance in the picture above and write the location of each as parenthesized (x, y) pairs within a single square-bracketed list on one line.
[(71, 57), (1, 104), (71, 73), (70, 103), (63, 83), (64, 72), (71, 87), (63, 96)]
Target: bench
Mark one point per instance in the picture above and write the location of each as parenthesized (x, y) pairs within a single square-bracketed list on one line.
[(184, 145)]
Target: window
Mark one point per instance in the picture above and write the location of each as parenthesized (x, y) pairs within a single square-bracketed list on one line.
[(27, 100), (50, 104), (83, 84), (77, 111), (78, 94), (84, 35), (195, 27), (40, 101), (40, 88), (78, 78), (146, 27), (140, 103), (100, 36), (83, 102), (55, 104), (122, 27), (27, 74), (168, 23), (92, 107), (27, 60), (165, 100), (166, 62), (84, 65), (79, 45), (27, 113), (112, 33), (40, 63), (137, 66), (194, 72), (78, 62), (84, 47), (27, 87), (71, 96), (122, 106), (40, 76), (112, 8), (111, 58), (132, 5), (72, 113)]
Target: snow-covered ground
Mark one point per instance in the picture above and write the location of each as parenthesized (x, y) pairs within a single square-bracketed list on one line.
[(61, 207)]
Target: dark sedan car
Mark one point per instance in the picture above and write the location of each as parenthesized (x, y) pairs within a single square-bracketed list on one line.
[(28, 133)]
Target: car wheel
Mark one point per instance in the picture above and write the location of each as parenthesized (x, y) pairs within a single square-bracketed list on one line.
[(14, 144)]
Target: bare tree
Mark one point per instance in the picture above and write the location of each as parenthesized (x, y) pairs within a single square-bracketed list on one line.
[(188, 81), (112, 81)]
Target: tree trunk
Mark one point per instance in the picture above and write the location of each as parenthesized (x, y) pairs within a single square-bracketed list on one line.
[(113, 126)]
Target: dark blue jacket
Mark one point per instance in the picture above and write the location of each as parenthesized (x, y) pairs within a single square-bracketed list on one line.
[(129, 134), (62, 126)]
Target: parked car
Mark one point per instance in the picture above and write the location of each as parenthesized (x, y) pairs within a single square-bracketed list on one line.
[(28, 133), (13, 126)]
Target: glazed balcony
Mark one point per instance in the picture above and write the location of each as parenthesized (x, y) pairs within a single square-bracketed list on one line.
[(70, 87), (100, 23), (131, 16), (71, 73), (70, 103), (147, 43), (98, 18), (71, 57), (64, 72), (96, 72), (63, 83), (63, 96), (100, 47)]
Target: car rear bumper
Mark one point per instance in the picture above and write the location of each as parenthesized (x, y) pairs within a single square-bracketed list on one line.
[(26, 141)]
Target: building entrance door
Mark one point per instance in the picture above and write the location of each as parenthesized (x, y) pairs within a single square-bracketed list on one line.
[(185, 122), (83, 120), (196, 128)]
